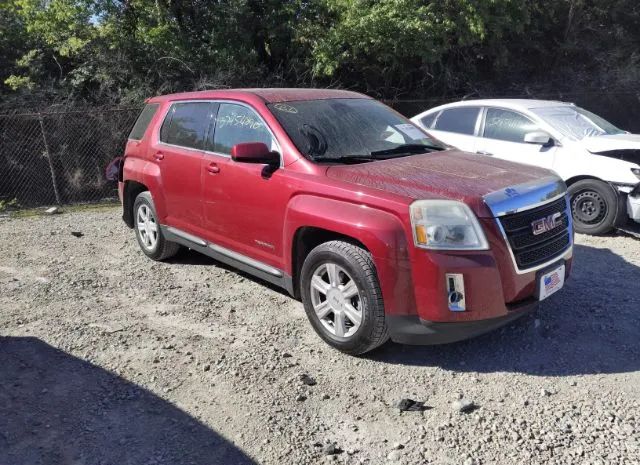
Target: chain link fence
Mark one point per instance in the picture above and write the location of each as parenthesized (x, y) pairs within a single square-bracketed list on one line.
[(49, 158), (59, 157)]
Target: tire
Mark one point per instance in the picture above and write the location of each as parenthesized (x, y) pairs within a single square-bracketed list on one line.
[(594, 206), (150, 238), (350, 265)]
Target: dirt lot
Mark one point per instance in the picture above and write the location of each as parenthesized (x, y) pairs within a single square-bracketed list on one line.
[(109, 358)]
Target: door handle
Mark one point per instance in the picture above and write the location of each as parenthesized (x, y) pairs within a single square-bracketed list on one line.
[(213, 168), (482, 152), (159, 156)]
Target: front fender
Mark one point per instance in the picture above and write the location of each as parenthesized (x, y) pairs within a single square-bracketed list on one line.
[(598, 166), (612, 169), (381, 232)]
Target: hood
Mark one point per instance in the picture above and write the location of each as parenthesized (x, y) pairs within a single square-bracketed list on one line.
[(611, 142), (450, 174)]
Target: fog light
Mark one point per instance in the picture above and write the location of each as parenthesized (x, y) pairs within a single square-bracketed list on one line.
[(455, 292)]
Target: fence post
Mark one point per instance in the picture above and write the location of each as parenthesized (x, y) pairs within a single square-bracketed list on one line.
[(54, 181)]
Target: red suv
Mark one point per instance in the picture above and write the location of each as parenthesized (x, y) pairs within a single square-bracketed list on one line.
[(381, 230)]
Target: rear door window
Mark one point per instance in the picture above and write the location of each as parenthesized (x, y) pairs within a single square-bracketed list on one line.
[(507, 125), (186, 124), (236, 124), (142, 123), (461, 120)]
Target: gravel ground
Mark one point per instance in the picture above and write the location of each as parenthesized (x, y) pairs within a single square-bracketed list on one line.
[(109, 358)]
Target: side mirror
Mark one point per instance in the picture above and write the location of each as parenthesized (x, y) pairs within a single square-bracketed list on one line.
[(539, 138), (254, 152)]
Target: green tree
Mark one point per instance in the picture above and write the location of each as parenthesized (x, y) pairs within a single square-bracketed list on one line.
[(390, 46), (112, 51)]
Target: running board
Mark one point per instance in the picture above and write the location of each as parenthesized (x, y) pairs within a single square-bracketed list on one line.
[(171, 231), (228, 257), (246, 260)]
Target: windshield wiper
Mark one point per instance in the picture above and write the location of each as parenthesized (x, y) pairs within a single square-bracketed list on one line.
[(347, 159), (408, 148), (382, 154)]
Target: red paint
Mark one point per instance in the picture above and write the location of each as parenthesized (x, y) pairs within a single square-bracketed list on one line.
[(254, 152), (235, 205), (451, 174)]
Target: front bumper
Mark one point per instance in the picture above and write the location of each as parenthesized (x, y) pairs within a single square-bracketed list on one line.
[(633, 206), (631, 194), (497, 285), (410, 329)]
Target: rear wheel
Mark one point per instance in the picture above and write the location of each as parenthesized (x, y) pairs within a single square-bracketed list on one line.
[(148, 232), (342, 297), (594, 206)]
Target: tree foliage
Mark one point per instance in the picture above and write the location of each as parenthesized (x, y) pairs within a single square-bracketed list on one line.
[(110, 51)]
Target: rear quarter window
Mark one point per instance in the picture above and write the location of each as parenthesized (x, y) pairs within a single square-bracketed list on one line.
[(142, 123), (460, 120), (427, 120)]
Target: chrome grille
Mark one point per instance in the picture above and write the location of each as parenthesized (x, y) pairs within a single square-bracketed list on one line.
[(530, 250)]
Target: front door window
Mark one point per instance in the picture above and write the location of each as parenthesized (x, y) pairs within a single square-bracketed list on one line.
[(236, 124), (507, 125)]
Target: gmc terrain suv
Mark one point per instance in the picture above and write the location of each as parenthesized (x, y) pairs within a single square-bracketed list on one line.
[(381, 230)]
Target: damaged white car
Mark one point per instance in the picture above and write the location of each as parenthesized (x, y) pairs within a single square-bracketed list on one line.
[(599, 162)]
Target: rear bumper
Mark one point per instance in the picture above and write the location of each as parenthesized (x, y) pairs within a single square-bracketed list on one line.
[(410, 329)]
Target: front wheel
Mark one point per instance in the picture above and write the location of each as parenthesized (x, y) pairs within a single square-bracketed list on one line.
[(594, 206), (342, 297)]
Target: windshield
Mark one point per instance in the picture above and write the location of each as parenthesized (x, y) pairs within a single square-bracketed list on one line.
[(576, 122), (350, 129)]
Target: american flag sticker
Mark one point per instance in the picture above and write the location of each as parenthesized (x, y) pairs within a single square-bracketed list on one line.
[(551, 282)]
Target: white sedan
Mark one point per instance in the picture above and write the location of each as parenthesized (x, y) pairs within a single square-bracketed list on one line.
[(599, 162)]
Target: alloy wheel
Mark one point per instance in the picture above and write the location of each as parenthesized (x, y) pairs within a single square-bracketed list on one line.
[(336, 300), (147, 227)]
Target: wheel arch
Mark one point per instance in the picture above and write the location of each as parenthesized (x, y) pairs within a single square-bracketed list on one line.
[(131, 190), (574, 179), (318, 219), (305, 239)]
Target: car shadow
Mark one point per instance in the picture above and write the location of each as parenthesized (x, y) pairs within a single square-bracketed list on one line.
[(58, 409), (591, 326), (630, 229)]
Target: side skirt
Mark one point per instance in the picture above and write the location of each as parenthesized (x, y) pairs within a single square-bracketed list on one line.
[(229, 257)]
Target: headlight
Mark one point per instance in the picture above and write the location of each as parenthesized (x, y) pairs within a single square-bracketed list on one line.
[(636, 171), (446, 225)]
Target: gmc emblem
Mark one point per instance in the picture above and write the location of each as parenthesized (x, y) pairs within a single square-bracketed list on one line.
[(546, 224)]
